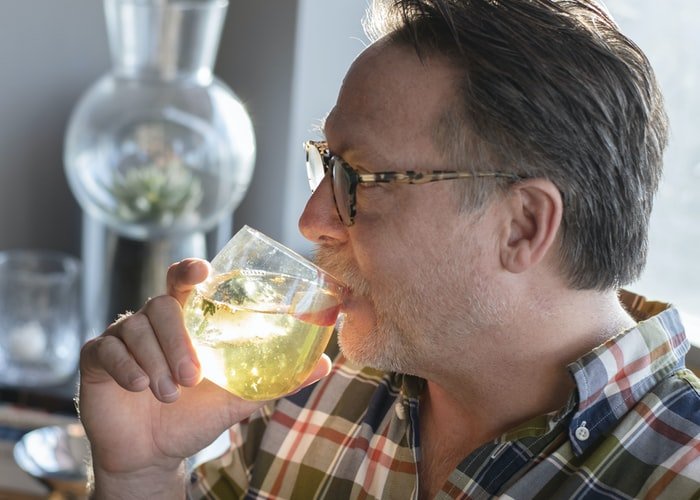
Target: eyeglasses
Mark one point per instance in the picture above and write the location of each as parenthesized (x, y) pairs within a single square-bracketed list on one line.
[(345, 179)]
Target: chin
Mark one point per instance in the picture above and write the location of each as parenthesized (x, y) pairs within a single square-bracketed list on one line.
[(376, 347)]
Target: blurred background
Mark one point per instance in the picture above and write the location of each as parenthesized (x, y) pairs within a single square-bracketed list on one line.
[(285, 60)]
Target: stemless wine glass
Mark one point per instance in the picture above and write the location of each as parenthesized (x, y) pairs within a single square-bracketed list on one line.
[(262, 318)]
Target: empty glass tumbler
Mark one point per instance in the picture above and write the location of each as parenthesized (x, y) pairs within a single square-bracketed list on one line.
[(40, 325)]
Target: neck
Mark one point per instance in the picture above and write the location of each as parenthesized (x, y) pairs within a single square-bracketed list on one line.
[(510, 375)]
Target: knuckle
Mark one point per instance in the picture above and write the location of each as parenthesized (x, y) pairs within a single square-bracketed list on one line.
[(88, 350), (136, 323), (87, 347), (161, 302), (102, 349), (122, 364), (105, 344), (117, 321), (161, 305)]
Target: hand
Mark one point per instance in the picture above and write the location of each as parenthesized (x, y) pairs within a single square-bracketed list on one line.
[(142, 401)]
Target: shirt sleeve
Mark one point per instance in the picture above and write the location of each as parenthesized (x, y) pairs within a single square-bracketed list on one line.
[(229, 475)]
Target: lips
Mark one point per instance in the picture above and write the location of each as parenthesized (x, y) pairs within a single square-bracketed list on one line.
[(336, 262), (353, 302), (323, 317)]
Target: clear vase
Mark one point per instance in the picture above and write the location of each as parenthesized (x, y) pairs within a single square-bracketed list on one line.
[(157, 152), (159, 145)]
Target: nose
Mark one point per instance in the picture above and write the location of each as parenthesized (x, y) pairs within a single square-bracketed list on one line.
[(320, 223)]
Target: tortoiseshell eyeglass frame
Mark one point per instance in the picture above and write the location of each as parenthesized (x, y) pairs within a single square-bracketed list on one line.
[(345, 179)]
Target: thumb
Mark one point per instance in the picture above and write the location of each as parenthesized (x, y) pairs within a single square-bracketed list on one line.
[(322, 368), (184, 275)]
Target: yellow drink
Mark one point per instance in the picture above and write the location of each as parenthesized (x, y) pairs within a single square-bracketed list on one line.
[(259, 334)]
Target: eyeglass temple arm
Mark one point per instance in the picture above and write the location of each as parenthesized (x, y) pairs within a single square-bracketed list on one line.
[(412, 177)]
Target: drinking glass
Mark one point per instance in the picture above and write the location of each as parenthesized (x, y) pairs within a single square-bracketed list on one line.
[(263, 317), (40, 320)]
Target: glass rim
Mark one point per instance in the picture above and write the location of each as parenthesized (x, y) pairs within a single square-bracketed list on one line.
[(68, 265), (325, 275)]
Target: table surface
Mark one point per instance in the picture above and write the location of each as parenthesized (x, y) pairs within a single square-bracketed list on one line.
[(22, 410)]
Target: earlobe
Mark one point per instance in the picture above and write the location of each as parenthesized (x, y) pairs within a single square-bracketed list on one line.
[(535, 211)]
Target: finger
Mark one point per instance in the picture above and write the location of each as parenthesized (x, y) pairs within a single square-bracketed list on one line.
[(165, 316), (105, 358), (322, 368), (139, 338), (184, 275), (214, 407)]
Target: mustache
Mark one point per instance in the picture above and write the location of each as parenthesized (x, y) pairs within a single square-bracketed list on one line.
[(341, 266)]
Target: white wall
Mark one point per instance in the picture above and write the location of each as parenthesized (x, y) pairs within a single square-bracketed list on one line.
[(257, 59), (287, 65), (329, 37), (668, 33)]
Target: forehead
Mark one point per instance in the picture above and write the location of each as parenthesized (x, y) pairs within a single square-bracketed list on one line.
[(390, 98)]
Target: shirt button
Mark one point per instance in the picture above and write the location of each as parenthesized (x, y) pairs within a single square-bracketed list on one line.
[(582, 433), (400, 411)]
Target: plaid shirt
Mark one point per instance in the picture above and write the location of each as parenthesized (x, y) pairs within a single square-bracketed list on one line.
[(630, 430)]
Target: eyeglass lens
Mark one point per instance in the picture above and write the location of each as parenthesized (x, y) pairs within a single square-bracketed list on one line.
[(314, 166), (341, 191), (340, 178), (316, 171)]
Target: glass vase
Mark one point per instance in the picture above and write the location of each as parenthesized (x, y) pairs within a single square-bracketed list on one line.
[(157, 152)]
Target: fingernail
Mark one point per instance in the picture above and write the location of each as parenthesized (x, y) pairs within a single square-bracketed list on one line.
[(167, 388), (193, 264), (186, 372)]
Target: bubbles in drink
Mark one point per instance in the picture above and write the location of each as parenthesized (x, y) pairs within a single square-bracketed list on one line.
[(260, 334)]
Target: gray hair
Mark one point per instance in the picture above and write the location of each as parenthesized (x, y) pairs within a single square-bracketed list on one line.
[(550, 89)]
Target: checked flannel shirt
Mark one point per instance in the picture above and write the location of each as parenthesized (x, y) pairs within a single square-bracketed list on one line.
[(630, 430)]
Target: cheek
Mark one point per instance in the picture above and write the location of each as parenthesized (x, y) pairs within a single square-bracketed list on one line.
[(405, 248), (386, 263)]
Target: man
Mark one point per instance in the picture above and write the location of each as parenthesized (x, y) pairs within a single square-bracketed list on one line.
[(485, 348)]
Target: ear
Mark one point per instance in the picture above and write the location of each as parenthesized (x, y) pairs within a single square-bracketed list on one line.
[(534, 213)]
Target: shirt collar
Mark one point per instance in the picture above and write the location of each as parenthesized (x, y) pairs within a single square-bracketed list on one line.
[(610, 379), (615, 376)]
